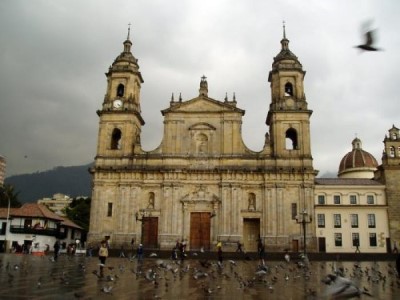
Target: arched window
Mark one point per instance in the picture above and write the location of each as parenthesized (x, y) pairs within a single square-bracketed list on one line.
[(288, 89), (394, 136), (291, 139), (120, 90), (116, 139), (392, 152)]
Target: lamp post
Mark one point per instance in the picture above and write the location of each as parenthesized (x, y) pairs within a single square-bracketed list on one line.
[(304, 220)]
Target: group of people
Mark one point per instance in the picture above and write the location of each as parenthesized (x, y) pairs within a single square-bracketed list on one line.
[(179, 250)]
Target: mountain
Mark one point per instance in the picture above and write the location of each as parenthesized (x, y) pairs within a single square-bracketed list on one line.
[(72, 181)]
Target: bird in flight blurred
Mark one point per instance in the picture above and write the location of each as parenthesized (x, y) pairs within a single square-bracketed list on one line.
[(370, 38)]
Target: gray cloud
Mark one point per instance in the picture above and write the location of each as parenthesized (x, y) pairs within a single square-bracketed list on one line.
[(53, 56)]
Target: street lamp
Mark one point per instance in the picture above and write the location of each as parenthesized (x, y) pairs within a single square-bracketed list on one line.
[(303, 219)]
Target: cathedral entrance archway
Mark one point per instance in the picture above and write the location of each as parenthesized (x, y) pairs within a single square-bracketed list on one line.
[(251, 232), (150, 232), (200, 230)]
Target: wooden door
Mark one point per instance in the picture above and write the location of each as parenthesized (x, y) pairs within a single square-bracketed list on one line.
[(295, 246), (251, 233), (199, 230), (150, 232), (321, 244)]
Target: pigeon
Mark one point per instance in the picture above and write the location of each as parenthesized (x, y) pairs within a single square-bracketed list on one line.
[(107, 289), (369, 38), (342, 288), (368, 46)]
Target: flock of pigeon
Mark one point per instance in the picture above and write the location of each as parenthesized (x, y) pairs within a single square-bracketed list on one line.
[(198, 277)]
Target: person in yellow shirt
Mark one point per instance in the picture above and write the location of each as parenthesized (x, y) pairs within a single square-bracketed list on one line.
[(103, 254), (219, 252)]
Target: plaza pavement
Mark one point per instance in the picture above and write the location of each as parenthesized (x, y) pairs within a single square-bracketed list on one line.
[(198, 277)]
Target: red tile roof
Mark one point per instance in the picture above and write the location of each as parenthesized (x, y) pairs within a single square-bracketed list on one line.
[(69, 223), (34, 210)]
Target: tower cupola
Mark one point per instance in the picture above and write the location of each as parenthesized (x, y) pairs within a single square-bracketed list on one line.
[(203, 91)]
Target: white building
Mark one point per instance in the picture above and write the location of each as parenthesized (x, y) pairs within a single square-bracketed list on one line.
[(35, 226), (352, 210)]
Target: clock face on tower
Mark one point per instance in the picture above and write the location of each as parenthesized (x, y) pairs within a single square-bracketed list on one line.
[(117, 103)]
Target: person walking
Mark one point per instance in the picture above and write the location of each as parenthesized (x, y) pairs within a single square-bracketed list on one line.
[(121, 252), (357, 247), (139, 253), (56, 250), (261, 251), (239, 247), (103, 254), (219, 253)]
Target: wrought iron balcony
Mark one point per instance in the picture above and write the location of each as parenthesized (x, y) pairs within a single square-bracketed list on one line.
[(31, 230)]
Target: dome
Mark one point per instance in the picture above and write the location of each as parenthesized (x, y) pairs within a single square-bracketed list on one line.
[(357, 163)]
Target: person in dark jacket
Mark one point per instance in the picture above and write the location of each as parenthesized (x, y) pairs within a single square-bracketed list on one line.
[(56, 249)]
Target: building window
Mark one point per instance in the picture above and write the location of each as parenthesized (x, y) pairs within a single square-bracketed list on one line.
[(391, 152), (321, 199), (291, 139), (337, 221), (338, 239), (116, 139), (372, 240), (370, 199), (354, 220), (27, 223), (120, 90), (109, 209), (288, 89), (336, 199), (321, 220), (371, 221), (353, 199), (294, 211), (356, 239)]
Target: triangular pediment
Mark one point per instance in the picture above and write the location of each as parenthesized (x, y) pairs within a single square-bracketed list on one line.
[(202, 104)]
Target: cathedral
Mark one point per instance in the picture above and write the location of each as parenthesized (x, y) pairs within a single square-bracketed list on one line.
[(202, 184)]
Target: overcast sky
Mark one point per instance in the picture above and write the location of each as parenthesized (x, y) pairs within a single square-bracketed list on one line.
[(53, 56)]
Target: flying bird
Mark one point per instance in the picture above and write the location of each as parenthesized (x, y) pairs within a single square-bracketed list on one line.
[(370, 38), (342, 288)]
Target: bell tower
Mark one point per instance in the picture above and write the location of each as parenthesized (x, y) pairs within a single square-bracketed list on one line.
[(120, 116), (288, 116), (389, 174)]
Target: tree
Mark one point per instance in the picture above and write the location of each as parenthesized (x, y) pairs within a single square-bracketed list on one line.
[(7, 193), (79, 212)]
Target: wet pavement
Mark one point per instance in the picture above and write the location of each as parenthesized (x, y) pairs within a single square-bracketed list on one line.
[(77, 277)]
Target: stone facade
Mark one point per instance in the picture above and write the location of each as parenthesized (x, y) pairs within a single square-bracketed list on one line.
[(202, 183), (389, 174)]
